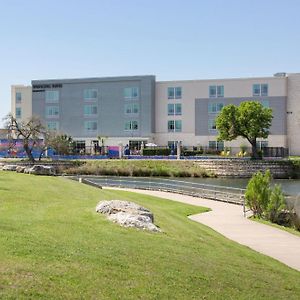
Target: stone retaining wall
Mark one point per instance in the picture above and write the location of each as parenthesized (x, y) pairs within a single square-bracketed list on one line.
[(246, 168)]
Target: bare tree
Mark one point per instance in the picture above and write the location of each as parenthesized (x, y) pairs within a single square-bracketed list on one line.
[(29, 132)]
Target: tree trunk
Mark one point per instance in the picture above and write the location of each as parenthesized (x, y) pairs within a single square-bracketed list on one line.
[(255, 154), (41, 154), (29, 153)]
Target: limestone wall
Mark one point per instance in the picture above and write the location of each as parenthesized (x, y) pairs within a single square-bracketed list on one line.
[(246, 168)]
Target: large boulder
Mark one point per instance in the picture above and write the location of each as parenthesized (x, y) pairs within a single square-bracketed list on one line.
[(20, 169), (9, 168), (128, 214), (40, 170)]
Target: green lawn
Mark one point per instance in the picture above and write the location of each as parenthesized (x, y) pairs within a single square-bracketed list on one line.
[(54, 246)]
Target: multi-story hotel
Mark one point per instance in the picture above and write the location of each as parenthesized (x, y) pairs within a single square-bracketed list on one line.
[(136, 109)]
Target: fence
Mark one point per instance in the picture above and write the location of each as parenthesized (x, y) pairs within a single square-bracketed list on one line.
[(15, 149), (207, 191)]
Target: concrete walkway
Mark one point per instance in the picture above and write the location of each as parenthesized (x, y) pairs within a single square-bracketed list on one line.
[(228, 220)]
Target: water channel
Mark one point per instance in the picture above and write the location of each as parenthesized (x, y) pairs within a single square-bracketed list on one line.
[(289, 186)]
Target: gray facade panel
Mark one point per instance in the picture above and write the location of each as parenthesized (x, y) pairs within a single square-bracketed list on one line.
[(202, 116), (111, 115)]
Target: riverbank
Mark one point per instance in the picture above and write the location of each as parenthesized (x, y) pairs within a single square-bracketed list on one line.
[(140, 168), (200, 168), (203, 168)]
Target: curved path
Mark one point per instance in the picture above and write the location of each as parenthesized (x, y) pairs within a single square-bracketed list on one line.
[(228, 220)]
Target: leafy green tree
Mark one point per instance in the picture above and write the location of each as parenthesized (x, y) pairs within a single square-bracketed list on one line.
[(258, 193), (61, 143), (249, 120)]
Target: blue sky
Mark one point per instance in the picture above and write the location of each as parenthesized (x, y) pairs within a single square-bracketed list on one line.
[(171, 39)]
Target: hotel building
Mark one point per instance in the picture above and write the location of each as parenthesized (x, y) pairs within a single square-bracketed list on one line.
[(136, 109)]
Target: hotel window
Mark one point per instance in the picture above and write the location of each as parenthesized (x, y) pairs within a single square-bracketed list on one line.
[(131, 93), (216, 145), (90, 110), (174, 93), (90, 94), (264, 90), (260, 89), (131, 125), (53, 125), (174, 126), (265, 103), (216, 91), (132, 108), (52, 111), (174, 109), (52, 96), (215, 107), (90, 126), (212, 124), (262, 144), (18, 97), (18, 112)]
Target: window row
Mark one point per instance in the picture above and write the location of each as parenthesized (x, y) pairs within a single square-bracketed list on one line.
[(217, 107), (92, 126), (91, 110), (217, 91), (129, 93)]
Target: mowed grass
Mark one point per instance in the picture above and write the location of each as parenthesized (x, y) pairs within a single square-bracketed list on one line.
[(53, 245)]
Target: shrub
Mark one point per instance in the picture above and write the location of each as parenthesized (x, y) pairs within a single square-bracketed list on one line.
[(160, 171), (182, 173), (156, 151), (258, 193), (192, 152), (123, 172), (141, 172), (276, 204)]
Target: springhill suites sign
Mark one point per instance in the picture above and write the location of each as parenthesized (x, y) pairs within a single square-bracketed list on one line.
[(47, 86)]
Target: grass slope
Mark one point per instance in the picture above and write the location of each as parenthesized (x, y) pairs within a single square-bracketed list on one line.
[(54, 246)]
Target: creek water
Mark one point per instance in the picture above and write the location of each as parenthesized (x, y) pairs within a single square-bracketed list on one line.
[(289, 186)]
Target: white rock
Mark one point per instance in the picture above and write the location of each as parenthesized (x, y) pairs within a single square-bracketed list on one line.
[(9, 168), (128, 214), (20, 169), (114, 206), (40, 170)]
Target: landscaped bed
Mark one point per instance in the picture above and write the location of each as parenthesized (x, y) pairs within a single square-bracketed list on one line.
[(53, 245)]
